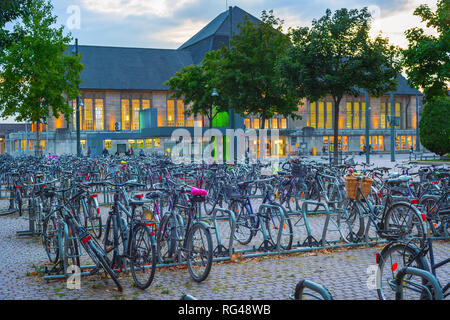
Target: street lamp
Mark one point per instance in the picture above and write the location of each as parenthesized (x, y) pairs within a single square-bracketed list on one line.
[(79, 104)]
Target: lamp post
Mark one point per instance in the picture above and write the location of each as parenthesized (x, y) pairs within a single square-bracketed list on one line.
[(392, 123), (79, 103), (367, 115), (417, 124)]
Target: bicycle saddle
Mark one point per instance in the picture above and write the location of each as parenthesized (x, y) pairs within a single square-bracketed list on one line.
[(198, 192), (400, 179)]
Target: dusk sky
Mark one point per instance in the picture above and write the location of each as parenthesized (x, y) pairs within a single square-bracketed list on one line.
[(169, 23)]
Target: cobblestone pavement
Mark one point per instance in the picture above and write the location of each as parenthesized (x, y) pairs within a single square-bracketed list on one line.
[(343, 272)]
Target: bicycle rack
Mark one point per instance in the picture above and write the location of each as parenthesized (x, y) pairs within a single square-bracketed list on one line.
[(220, 250)]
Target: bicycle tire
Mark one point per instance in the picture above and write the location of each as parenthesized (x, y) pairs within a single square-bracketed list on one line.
[(49, 239), (273, 224), (243, 232), (204, 254), (147, 266), (392, 259), (166, 242)]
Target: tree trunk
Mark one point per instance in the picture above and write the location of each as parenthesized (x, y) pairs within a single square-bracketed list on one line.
[(337, 102)]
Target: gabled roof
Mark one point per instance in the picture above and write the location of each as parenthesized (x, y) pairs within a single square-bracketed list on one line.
[(216, 34), (117, 68)]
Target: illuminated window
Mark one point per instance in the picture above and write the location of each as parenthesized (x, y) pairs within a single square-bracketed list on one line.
[(397, 112), (42, 144), (180, 113), (148, 143), (190, 121), (140, 143), (157, 143), (403, 142), (356, 115), (348, 116), (108, 143), (321, 115), (131, 143), (247, 123), (98, 114), (275, 123), (382, 116), (170, 113), (329, 123), (388, 124), (363, 115), (374, 143), (345, 143), (380, 143), (397, 143), (266, 124), (136, 107), (283, 123), (145, 104), (83, 143), (313, 114), (88, 123), (414, 142), (23, 144), (125, 114), (255, 123)]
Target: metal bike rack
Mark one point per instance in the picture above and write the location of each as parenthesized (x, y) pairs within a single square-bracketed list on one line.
[(220, 250)]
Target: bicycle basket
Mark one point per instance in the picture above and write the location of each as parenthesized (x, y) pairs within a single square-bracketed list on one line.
[(351, 186), (366, 184), (298, 170)]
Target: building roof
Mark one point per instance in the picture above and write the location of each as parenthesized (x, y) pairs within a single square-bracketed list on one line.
[(117, 68)]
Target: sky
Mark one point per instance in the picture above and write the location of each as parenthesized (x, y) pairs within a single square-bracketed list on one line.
[(169, 23)]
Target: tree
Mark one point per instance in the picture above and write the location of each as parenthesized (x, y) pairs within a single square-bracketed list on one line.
[(195, 84), (427, 58), (434, 125), (248, 70), (37, 71), (336, 57), (10, 10)]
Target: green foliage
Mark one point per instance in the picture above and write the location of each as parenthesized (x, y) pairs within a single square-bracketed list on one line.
[(37, 70), (195, 84), (10, 10), (434, 125), (337, 57), (427, 58), (249, 76)]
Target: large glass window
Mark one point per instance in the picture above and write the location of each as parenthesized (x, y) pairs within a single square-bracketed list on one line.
[(321, 115), (283, 123), (247, 123), (382, 115), (313, 115), (108, 143), (145, 104), (148, 143), (170, 113), (125, 114), (131, 143), (329, 123), (98, 114), (397, 112), (88, 123), (136, 107), (180, 113), (274, 123), (140, 143), (363, 115), (256, 123), (355, 115), (348, 116), (157, 143)]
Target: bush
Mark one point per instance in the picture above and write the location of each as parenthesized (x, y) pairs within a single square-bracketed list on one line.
[(434, 126)]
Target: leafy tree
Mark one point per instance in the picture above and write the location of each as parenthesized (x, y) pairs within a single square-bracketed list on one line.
[(427, 58), (434, 125), (10, 10), (195, 84), (249, 76), (336, 57), (37, 71)]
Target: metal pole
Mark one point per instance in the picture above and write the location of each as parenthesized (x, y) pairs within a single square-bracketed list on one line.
[(392, 122), (367, 127), (231, 114), (78, 111), (417, 124)]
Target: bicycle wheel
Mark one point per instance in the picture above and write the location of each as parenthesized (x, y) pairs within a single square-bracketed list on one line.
[(417, 284), (49, 238), (390, 261), (273, 222), (167, 239), (199, 252), (143, 257), (243, 232), (94, 220), (404, 221)]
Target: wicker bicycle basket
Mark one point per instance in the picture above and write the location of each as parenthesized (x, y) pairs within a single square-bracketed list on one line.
[(352, 183), (351, 186)]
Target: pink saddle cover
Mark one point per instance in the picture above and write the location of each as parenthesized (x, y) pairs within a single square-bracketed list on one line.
[(198, 192)]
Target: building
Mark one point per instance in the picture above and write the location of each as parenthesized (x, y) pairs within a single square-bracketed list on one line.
[(126, 104)]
